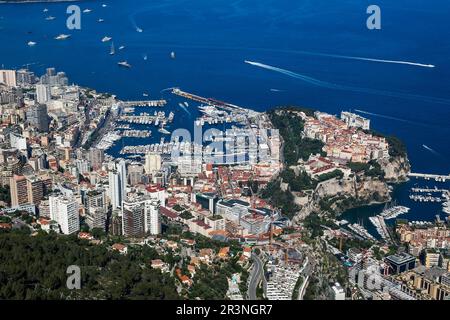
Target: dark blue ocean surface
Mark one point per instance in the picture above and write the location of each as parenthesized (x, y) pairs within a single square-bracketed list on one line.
[(212, 39)]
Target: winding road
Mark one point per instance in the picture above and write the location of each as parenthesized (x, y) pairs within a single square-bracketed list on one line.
[(255, 276)]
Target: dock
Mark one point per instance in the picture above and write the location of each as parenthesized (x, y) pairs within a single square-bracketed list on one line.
[(143, 103), (426, 176), (208, 101)]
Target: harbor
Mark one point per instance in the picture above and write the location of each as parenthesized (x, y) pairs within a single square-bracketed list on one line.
[(361, 231), (392, 212), (380, 226), (134, 133)]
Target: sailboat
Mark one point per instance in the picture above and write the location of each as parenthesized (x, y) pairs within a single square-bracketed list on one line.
[(113, 51)]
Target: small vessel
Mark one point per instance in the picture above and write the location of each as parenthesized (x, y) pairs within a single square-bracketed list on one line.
[(121, 47), (139, 29), (45, 10), (87, 10), (62, 36), (172, 55), (31, 43), (49, 18), (186, 104), (163, 131), (145, 57), (100, 20), (104, 5), (106, 39), (113, 51), (145, 94), (124, 64)]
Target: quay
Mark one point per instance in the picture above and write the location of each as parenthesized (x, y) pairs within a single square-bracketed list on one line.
[(208, 101), (143, 103), (426, 176), (428, 190)]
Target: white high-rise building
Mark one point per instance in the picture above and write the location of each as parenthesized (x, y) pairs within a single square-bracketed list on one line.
[(8, 77), (43, 94), (152, 217), (122, 170), (114, 189), (140, 216), (64, 210), (152, 162)]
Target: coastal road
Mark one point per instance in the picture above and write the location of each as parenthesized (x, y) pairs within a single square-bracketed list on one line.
[(255, 276)]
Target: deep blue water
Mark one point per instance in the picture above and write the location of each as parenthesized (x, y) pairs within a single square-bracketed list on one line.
[(213, 38)]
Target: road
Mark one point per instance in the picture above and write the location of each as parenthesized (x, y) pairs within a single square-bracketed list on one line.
[(255, 276)]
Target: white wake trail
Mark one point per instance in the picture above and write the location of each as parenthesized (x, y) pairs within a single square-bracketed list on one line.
[(416, 64), (431, 150), (382, 116), (334, 86)]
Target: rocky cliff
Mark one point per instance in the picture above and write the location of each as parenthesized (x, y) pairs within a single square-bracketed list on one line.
[(396, 169), (337, 195)]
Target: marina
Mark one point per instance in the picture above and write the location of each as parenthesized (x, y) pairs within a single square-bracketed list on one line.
[(361, 231), (391, 212), (108, 140), (135, 133), (145, 118), (380, 226), (143, 103), (426, 176)]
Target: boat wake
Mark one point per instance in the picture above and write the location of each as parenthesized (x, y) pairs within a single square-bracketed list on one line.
[(384, 116), (431, 150), (415, 64), (334, 86), (182, 106)]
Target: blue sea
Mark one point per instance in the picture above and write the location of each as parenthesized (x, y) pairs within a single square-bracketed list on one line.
[(306, 47)]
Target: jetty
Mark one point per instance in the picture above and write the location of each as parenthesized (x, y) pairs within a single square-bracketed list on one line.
[(427, 176)]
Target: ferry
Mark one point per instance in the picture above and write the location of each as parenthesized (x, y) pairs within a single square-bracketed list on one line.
[(106, 39), (62, 36), (31, 43), (124, 64)]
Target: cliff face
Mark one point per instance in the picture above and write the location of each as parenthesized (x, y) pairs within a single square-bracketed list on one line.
[(396, 169), (337, 196)]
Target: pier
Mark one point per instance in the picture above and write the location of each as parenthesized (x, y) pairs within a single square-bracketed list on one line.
[(143, 103), (208, 101), (426, 176)]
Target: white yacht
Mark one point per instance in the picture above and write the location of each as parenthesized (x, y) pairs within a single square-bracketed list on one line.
[(62, 36), (124, 64)]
